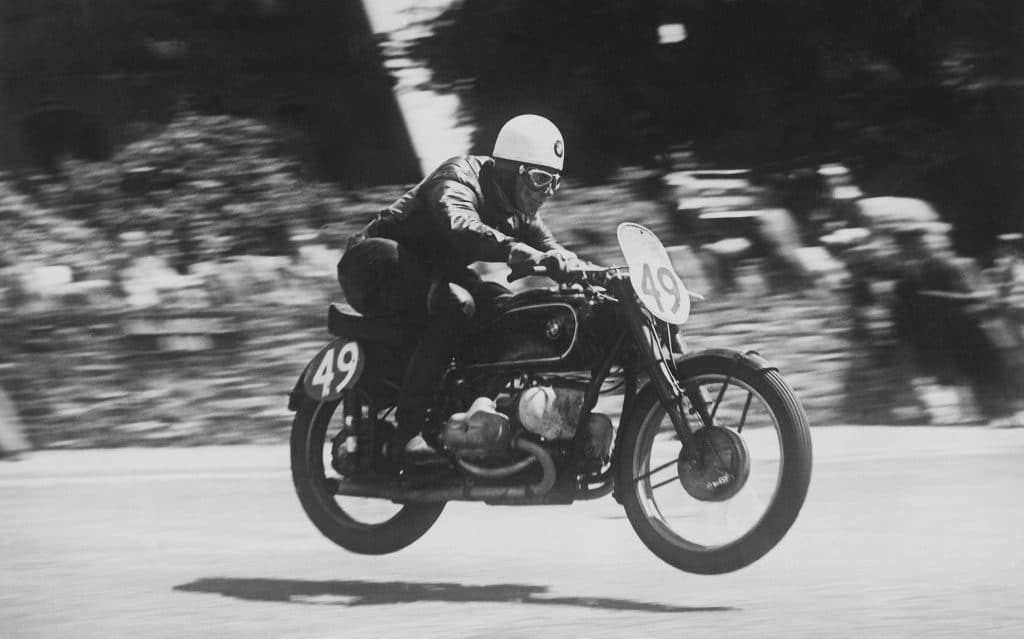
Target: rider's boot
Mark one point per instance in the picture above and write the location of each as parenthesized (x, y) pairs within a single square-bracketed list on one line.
[(397, 450), (394, 453)]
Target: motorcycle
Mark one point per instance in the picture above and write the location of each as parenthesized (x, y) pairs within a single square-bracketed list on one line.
[(710, 458)]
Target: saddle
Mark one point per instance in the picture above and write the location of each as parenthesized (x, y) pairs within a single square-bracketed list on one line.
[(345, 321)]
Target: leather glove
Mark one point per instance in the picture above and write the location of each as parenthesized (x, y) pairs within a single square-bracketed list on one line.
[(524, 254), (556, 261)]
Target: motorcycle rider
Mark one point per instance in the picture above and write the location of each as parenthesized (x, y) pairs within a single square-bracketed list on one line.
[(412, 261)]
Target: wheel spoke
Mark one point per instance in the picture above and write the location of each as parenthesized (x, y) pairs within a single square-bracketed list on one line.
[(718, 400), (662, 483), (746, 407), (658, 469)]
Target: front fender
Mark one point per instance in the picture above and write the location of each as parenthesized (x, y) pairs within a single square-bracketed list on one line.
[(689, 364), (753, 359)]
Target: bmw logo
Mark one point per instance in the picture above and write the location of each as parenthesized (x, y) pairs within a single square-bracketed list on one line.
[(553, 329), (559, 148)]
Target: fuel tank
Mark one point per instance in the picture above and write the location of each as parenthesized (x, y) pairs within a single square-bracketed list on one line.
[(546, 329)]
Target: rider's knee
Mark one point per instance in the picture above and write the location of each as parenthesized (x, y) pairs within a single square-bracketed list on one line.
[(450, 299)]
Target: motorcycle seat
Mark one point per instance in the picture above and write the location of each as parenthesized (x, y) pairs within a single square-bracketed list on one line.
[(345, 321)]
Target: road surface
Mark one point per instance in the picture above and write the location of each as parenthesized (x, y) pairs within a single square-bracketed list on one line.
[(907, 532)]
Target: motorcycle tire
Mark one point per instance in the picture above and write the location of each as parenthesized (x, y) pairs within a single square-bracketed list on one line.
[(308, 437), (792, 479)]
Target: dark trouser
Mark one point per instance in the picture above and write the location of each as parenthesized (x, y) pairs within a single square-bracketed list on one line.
[(383, 279)]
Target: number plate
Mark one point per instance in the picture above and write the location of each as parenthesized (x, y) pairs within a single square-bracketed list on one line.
[(652, 274), (336, 367)]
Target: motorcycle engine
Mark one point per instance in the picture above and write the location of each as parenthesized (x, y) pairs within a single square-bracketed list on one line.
[(485, 430)]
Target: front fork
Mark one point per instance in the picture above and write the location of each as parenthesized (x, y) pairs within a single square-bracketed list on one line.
[(655, 360)]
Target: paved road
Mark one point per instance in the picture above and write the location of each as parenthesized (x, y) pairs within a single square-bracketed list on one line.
[(921, 538)]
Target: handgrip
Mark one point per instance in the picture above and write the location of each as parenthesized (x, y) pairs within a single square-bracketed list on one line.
[(525, 269)]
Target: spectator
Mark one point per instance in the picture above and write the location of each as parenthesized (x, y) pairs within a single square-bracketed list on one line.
[(12, 441), (952, 324)]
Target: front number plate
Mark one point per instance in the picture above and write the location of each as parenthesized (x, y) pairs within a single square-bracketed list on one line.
[(652, 274), (336, 367)]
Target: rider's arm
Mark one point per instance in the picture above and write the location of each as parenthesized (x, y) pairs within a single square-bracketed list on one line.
[(539, 236), (454, 207)]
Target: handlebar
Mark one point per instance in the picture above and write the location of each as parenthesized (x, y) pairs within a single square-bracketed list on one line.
[(591, 275), (594, 275), (525, 269)]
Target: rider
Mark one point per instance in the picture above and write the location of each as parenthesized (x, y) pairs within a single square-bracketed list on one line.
[(412, 261)]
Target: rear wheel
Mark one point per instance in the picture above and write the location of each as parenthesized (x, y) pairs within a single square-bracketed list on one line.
[(727, 504), (361, 525)]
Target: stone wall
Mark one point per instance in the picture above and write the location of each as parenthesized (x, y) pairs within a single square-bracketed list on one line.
[(79, 379)]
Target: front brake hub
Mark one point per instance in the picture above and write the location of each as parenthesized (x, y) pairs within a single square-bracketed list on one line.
[(720, 467)]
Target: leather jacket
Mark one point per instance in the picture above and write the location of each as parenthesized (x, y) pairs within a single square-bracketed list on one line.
[(458, 215)]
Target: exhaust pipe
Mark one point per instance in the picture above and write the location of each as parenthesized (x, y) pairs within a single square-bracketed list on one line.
[(461, 491)]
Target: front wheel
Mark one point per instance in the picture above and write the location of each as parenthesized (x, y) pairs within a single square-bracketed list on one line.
[(725, 504), (361, 525)]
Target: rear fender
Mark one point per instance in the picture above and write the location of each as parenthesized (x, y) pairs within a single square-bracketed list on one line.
[(295, 395)]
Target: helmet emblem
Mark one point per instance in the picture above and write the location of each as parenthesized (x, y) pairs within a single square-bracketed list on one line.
[(559, 149)]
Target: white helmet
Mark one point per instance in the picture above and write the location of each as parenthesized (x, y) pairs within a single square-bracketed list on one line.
[(530, 139)]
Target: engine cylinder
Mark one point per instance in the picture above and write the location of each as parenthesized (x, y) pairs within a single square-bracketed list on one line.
[(550, 412), (479, 432)]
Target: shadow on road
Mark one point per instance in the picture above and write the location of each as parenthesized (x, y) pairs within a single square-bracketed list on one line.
[(375, 593)]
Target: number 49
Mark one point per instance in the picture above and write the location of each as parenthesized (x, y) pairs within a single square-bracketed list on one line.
[(665, 283), (346, 363)]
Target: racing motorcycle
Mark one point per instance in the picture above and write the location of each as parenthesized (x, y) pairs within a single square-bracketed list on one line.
[(710, 456)]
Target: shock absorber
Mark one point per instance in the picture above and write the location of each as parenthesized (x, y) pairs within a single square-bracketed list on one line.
[(363, 418), (346, 444)]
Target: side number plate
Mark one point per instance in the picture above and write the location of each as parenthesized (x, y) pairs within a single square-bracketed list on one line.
[(336, 367)]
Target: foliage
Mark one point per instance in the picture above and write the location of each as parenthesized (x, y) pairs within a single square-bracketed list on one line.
[(923, 97), (202, 188), (575, 63)]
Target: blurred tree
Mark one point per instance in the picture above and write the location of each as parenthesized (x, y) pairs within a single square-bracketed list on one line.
[(923, 97), (82, 77), (592, 68)]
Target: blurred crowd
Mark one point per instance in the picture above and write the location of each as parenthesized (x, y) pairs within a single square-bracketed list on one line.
[(958, 320)]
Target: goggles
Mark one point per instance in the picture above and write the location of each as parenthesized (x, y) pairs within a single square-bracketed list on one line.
[(540, 180)]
